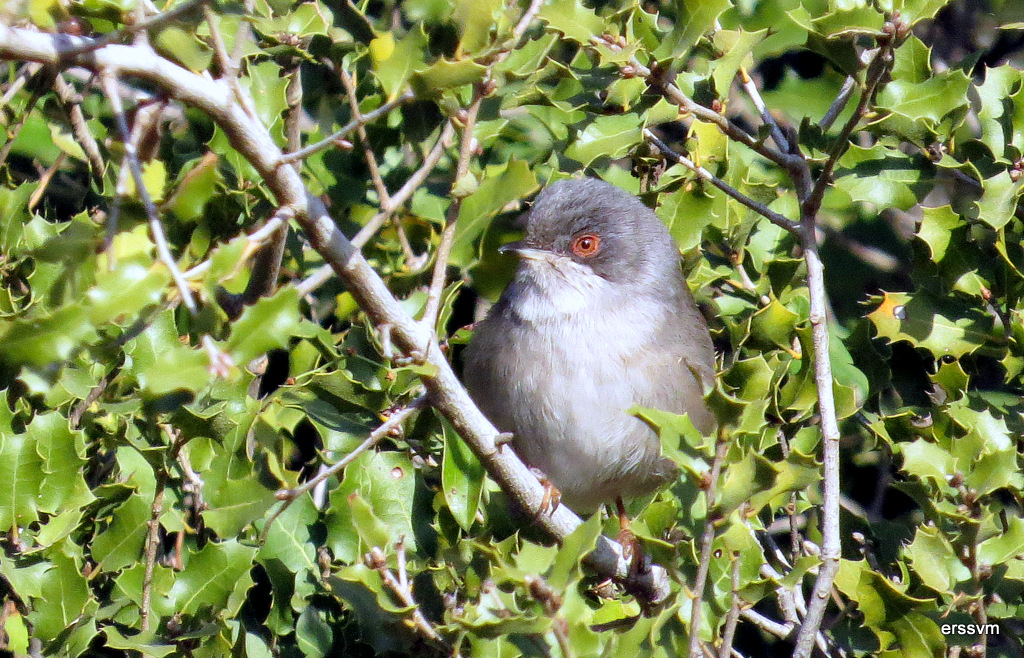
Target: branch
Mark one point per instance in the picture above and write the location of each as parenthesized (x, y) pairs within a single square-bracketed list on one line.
[(733, 616), (444, 249), (831, 544), (375, 560), (289, 496), (706, 541), (767, 625), (842, 98), (524, 22), (345, 130), (152, 544), (407, 190), (253, 142), (877, 68), (229, 63), (371, 159), (705, 175), (762, 109), (675, 95), (108, 78), (73, 106)]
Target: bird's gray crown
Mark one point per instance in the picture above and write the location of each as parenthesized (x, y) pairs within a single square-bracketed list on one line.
[(634, 244)]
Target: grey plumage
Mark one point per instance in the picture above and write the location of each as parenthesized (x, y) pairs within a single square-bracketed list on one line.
[(575, 341)]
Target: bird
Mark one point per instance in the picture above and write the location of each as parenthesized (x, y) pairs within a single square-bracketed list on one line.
[(598, 319)]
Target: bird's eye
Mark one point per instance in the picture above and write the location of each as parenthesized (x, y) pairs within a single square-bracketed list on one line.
[(586, 245)]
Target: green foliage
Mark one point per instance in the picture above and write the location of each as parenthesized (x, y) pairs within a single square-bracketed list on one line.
[(145, 449)]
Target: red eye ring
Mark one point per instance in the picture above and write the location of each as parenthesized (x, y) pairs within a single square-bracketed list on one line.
[(586, 245)]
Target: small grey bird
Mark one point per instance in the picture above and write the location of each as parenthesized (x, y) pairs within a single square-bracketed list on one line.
[(597, 320)]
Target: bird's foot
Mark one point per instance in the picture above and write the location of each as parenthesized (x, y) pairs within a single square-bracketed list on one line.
[(552, 496), (632, 549)]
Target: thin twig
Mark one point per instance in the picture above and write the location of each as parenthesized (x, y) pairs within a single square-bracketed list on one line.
[(795, 540), (289, 496), (21, 78), (767, 625), (839, 104), (706, 541), (875, 72), (371, 159), (675, 95), (524, 21), (412, 261), (258, 238), (755, 96), (733, 616), (12, 133), (79, 410), (375, 560), (243, 35), (444, 249), (979, 610), (152, 544), (705, 175), (108, 79), (44, 180), (407, 190), (303, 153), (403, 577), (807, 637), (73, 106), (229, 64), (319, 277)]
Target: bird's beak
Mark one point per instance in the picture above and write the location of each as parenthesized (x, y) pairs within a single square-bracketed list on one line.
[(520, 249)]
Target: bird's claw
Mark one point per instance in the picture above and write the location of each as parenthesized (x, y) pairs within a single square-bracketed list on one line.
[(552, 496), (632, 549)]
